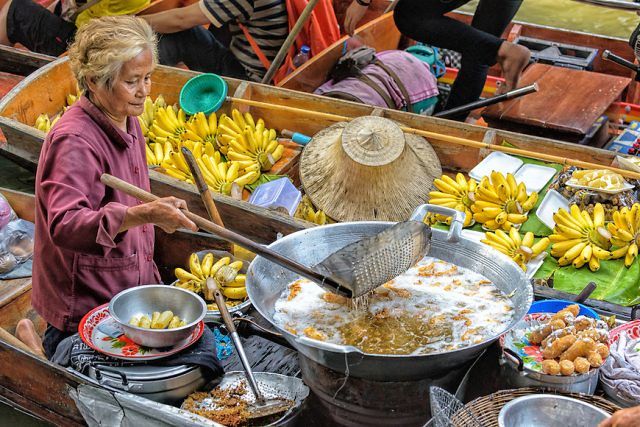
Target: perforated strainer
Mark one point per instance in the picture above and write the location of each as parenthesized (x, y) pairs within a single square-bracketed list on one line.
[(351, 271)]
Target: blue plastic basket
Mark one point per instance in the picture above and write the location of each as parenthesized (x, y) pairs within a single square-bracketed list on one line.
[(555, 305), (203, 93)]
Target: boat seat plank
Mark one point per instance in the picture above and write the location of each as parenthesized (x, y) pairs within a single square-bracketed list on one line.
[(568, 102)]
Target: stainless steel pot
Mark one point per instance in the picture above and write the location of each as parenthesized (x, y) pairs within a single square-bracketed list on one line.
[(517, 375), (549, 410), (164, 384), (266, 281)]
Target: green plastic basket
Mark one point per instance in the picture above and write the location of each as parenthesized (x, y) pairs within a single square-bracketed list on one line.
[(204, 92)]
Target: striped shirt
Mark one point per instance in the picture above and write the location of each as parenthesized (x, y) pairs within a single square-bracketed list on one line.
[(266, 21)]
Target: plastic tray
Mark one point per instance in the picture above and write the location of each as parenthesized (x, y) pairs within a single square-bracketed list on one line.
[(626, 186), (535, 177), (495, 161), (555, 305), (280, 193), (551, 203)]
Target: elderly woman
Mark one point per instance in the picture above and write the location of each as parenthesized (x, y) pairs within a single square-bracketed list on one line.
[(92, 242)]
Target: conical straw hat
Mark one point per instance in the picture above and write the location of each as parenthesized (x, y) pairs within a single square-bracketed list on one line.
[(368, 170)]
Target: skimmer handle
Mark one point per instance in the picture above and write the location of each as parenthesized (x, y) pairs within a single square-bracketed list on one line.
[(457, 222)]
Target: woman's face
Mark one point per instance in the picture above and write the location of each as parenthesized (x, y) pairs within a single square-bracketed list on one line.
[(131, 87)]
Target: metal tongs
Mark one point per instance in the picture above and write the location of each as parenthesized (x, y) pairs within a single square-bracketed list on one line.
[(353, 271)]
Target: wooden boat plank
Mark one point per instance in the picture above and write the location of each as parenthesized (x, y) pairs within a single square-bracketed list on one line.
[(36, 410), (18, 61), (569, 101), (37, 382)]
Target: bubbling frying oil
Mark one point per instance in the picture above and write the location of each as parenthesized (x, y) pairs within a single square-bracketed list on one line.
[(433, 307)]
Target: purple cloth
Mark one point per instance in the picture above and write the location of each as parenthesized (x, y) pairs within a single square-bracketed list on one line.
[(415, 75), (80, 259)]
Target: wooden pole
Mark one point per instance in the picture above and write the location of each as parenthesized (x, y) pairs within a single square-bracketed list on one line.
[(282, 53), (446, 138)]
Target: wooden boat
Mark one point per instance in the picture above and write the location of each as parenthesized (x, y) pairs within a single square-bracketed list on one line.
[(381, 33), (36, 94), (39, 387)]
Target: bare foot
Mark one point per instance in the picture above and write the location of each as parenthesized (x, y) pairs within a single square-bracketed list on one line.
[(512, 59), (26, 332)]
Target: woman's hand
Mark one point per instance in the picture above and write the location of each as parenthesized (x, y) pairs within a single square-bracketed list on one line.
[(164, 212), (354, 14), (629, 417)]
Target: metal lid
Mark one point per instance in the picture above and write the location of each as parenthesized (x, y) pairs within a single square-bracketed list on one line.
[(147, 372)]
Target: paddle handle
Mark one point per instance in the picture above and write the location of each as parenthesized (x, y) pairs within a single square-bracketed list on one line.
[(446, 138), (516, 93), (202, 186), (10, 339), (230, 236)]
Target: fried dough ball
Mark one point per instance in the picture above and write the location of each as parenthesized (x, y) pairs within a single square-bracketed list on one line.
[(558, 346), (603, 350), (595, 360), (567, 367), (582, 365), (550, 367)]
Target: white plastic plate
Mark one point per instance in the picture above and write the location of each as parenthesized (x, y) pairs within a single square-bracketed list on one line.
[(535, 177), (495, 161), (627, 163), (551, 203), (532, 266), (626, 186)]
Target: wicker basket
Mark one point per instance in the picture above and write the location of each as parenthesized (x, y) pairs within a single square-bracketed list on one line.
[(486, 409)]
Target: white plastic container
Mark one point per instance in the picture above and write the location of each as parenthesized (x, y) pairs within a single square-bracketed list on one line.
[(280, 193)]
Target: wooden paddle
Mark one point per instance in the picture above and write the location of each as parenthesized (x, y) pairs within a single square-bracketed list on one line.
[(445, 138), (203, 188)]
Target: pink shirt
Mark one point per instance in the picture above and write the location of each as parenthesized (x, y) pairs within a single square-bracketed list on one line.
[(80, 259)]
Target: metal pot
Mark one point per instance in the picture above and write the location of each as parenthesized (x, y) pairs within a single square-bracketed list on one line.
[(549, 410), (517, 375), (266, 281), (164, 384)]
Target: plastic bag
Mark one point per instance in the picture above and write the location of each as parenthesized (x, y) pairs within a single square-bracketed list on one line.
[(16, 244), (6, 213)]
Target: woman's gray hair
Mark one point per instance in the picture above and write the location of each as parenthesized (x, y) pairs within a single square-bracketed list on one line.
[(103, 45)]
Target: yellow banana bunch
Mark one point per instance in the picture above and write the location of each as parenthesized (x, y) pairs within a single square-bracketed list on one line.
[(158, 152), (518, 248), (147, 116), (43, 123), (307, 212), (625, 233), (457, 194), (225, 177), (223, 271), (500, 202), (202, 128), (71, 99), (242, 139), (580, 239), (168, 124)]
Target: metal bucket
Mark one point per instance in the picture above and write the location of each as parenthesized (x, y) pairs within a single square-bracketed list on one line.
[(266, 281)]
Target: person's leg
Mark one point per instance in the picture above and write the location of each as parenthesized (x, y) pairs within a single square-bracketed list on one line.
[(492, 21), (26, 332), (35, 27), (200, 51), (51, 339)]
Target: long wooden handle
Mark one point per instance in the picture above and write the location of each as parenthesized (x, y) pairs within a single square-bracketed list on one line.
[(10, 339), (203, 188), (230, 236), (288, 42), (220, 302), (447, 138)]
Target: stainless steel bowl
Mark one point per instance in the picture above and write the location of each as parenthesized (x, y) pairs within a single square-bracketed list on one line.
[(149, 298), (550, 410)]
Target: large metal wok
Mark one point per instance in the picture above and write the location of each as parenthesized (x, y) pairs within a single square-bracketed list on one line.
[(266, 281)]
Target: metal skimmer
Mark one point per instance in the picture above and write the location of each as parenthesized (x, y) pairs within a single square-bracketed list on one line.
[(366, 264), (352, 271)]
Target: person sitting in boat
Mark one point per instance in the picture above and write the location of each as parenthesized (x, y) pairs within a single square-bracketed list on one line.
[(258, 30), (479, 43), (183, 40), (92, 242)]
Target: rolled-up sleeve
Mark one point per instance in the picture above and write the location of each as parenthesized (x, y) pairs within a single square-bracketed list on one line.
[(70, 180)]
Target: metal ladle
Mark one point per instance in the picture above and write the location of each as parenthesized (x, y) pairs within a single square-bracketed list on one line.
[(352, 271)]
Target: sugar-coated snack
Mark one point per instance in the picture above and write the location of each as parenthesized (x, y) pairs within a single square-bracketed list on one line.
[(567, 367), (550, 367)]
